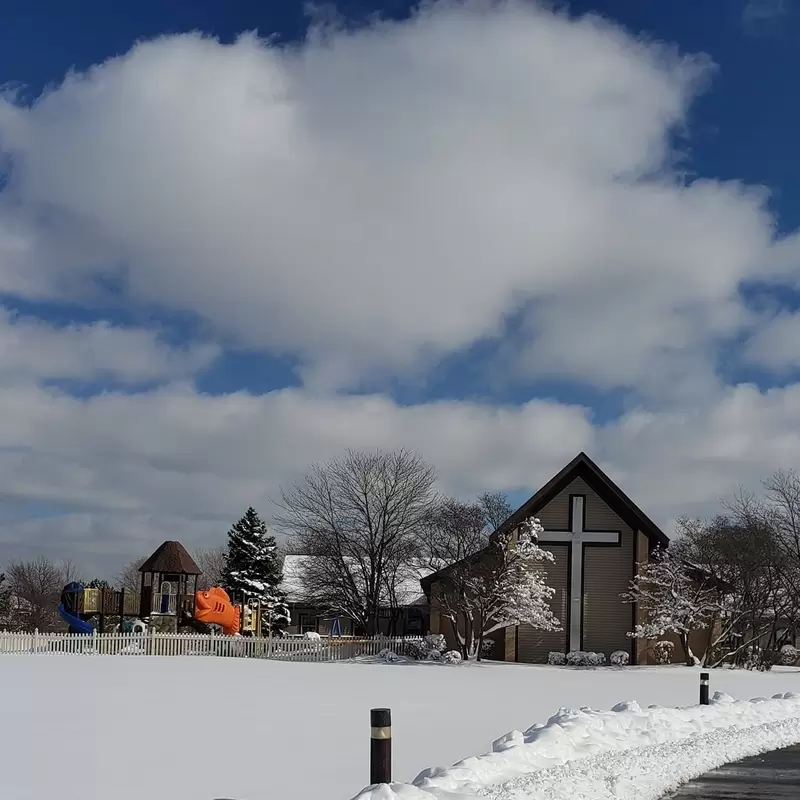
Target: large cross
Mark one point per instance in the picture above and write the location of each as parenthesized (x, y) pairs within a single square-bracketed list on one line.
[(578, 537)]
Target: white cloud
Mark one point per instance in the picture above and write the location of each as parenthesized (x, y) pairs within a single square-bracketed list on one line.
[(31, 349), (370, 200), (135, 469), (776, 343)]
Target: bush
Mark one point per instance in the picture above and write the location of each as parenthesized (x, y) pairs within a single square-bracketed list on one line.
[(434, 655), (432, 643), (788, 655), (580, 658), (389, 656), (487, 648), (556, 658), (416, 650), (452, 657), (312, 635), (619, 658), (435, 641), (662, 651), (754, 657)]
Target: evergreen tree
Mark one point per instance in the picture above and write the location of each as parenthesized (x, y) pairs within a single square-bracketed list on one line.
[(253, 569)]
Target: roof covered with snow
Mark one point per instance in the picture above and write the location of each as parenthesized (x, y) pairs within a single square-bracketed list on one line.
[(409, 591)]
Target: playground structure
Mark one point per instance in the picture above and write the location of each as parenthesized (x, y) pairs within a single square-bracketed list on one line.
[(168, 601)]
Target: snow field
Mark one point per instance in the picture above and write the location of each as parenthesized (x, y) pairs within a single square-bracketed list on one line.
[(100, 727)]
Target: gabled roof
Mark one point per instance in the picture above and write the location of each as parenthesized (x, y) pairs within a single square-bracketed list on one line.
[(171, 557), (580, 467), (583, 467)]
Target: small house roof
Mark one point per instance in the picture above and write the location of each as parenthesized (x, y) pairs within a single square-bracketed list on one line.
[(407, 591), (171, 557)]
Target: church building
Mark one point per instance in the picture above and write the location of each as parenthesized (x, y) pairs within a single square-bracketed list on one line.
[(598, 537)]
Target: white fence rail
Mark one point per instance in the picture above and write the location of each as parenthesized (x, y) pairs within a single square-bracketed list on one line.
[(190, 644)]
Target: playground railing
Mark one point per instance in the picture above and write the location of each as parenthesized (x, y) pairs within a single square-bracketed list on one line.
[(193, 644)]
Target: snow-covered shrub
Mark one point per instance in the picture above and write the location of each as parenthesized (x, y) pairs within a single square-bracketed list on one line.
[(556, 658), (754, 657), (788, 655), (619, 658), (434, 655), (487, 648), (432, 643), (451, 657), (580, 658), (389, 656), (416, 650), (435, 642), (662, 651), (312, 635)]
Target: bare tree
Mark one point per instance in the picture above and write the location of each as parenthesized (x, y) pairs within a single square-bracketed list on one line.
[(361, 516), (727, 577), (5, 603), (496, 509), (212, 561), (129, 578), (36, 592), (452, 531)]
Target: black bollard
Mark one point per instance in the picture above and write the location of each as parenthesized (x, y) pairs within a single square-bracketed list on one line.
[(380, 746), (703, 688)]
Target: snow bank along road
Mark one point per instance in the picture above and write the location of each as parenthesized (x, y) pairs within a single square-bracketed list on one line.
[(628, 753)]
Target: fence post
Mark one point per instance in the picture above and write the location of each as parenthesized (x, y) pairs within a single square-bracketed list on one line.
[(152, 641), (35, 643), (94, 641), (380, 752), (704, 688)]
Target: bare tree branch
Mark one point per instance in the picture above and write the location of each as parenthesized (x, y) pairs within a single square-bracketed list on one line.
[(361, 516)]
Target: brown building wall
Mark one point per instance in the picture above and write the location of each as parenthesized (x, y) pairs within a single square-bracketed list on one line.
[(607, 572), (533, 645)]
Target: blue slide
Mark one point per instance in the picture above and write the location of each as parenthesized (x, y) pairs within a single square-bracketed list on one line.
[(76, 624)]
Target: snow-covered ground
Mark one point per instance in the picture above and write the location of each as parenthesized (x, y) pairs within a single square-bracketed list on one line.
[(96, 728)]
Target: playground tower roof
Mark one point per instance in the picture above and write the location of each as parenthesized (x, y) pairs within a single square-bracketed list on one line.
[(171, 557)]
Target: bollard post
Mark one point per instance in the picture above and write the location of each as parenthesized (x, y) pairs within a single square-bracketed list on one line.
[(380, 746), (703, 688)]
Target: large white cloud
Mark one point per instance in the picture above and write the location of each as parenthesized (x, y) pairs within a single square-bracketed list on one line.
[(371, 199), (368, 201)]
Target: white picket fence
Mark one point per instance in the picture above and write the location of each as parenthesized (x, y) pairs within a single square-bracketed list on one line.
[(190, 644)]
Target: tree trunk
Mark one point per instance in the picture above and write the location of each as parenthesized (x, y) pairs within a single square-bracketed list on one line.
[(684, 637)]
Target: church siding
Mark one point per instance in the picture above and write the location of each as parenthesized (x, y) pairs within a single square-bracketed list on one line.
[(607, 572), (534, 645)]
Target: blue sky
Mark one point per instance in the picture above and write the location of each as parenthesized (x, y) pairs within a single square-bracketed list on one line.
[(224, 260)]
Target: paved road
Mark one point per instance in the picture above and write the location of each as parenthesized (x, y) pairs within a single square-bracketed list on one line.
[(772, 775)]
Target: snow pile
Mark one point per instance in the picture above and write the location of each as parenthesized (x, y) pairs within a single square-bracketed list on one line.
[(586, 753)]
